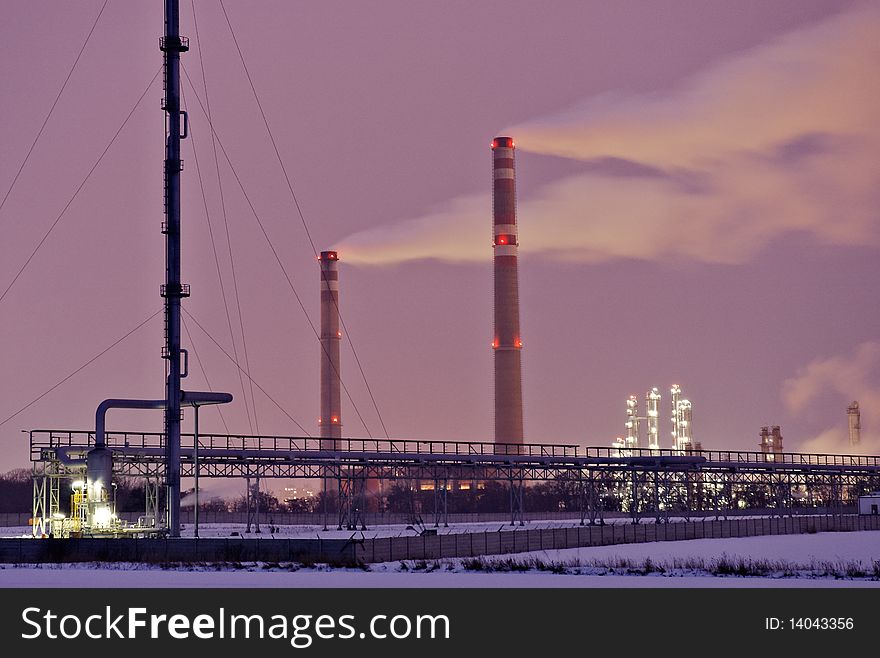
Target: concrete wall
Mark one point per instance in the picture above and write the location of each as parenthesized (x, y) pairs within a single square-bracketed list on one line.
[(42, 551)]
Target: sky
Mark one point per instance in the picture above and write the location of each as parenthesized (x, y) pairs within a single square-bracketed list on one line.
[(698, 204)]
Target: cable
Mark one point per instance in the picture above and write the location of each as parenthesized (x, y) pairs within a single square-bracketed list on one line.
[(78, 189), (226, 354), (226, 225), (52, 109), (272, 247), (299, 210), (266, 122), (87, 363), (204, 373), (219, 272)]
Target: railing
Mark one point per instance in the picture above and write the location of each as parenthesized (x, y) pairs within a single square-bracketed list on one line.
[(48, 439), (743, 457)]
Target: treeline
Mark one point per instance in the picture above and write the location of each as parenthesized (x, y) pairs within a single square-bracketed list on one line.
[(16, 495)]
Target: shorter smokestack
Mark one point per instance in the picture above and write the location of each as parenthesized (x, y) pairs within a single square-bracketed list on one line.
[(854, 420)]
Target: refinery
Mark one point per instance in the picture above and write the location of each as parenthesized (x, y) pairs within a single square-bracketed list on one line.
[(660, 469)]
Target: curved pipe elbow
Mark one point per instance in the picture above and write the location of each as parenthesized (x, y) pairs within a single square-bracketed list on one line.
[(116, 403)]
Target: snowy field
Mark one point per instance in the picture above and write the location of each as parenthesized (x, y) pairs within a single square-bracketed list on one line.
[(803, 559)]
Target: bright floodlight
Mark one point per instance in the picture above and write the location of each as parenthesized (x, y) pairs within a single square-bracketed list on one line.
[(102, 516)]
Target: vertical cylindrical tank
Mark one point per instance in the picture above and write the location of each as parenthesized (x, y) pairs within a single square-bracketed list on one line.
[(507, 342), (99, 473), (682, 420), (652, 418), (632, 422), (331, 401)]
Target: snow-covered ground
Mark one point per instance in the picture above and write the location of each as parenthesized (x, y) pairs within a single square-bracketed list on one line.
[(803, 549), (577, 566)]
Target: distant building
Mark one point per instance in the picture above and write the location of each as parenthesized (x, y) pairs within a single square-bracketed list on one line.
[(870, 503)]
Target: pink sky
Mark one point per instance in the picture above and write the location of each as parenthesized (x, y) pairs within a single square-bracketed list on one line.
[(697, 186)]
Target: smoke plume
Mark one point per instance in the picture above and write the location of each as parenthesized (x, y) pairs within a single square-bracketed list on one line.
[(779, 140), (847, 378)]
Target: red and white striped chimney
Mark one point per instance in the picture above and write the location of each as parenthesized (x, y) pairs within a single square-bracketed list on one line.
[(331, 399), (508, 341)]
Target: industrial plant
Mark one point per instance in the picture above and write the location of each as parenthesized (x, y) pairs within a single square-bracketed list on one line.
[(681, 420), (641, 475)]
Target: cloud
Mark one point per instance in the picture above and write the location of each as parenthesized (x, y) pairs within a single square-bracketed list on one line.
[(778, 140), (849, 377)]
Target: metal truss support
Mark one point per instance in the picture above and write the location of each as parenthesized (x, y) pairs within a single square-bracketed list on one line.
[(656, 492), (252, 504), (716, 499), (352, 487), (662, 496), (151, 506), (589, 499), (721, 496), (583, 503), (687, 490), (782, 496), (635, 498), (54, 496), (441, 485), (712, 482), (40, 518), (836, 494), (515, 481), (410, 485)]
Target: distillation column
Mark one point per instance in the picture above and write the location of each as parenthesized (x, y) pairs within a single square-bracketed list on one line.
[(682, 420), (632, 422), (652, 416), (507, 343)]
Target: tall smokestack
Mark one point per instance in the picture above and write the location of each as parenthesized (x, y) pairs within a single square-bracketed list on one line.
[(507, 342), (331, 400)]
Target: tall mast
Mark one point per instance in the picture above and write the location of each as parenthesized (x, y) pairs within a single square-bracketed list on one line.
[(172, 44)]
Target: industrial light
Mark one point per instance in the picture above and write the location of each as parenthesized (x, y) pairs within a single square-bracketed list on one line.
[(78, 484), (102, 516)]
